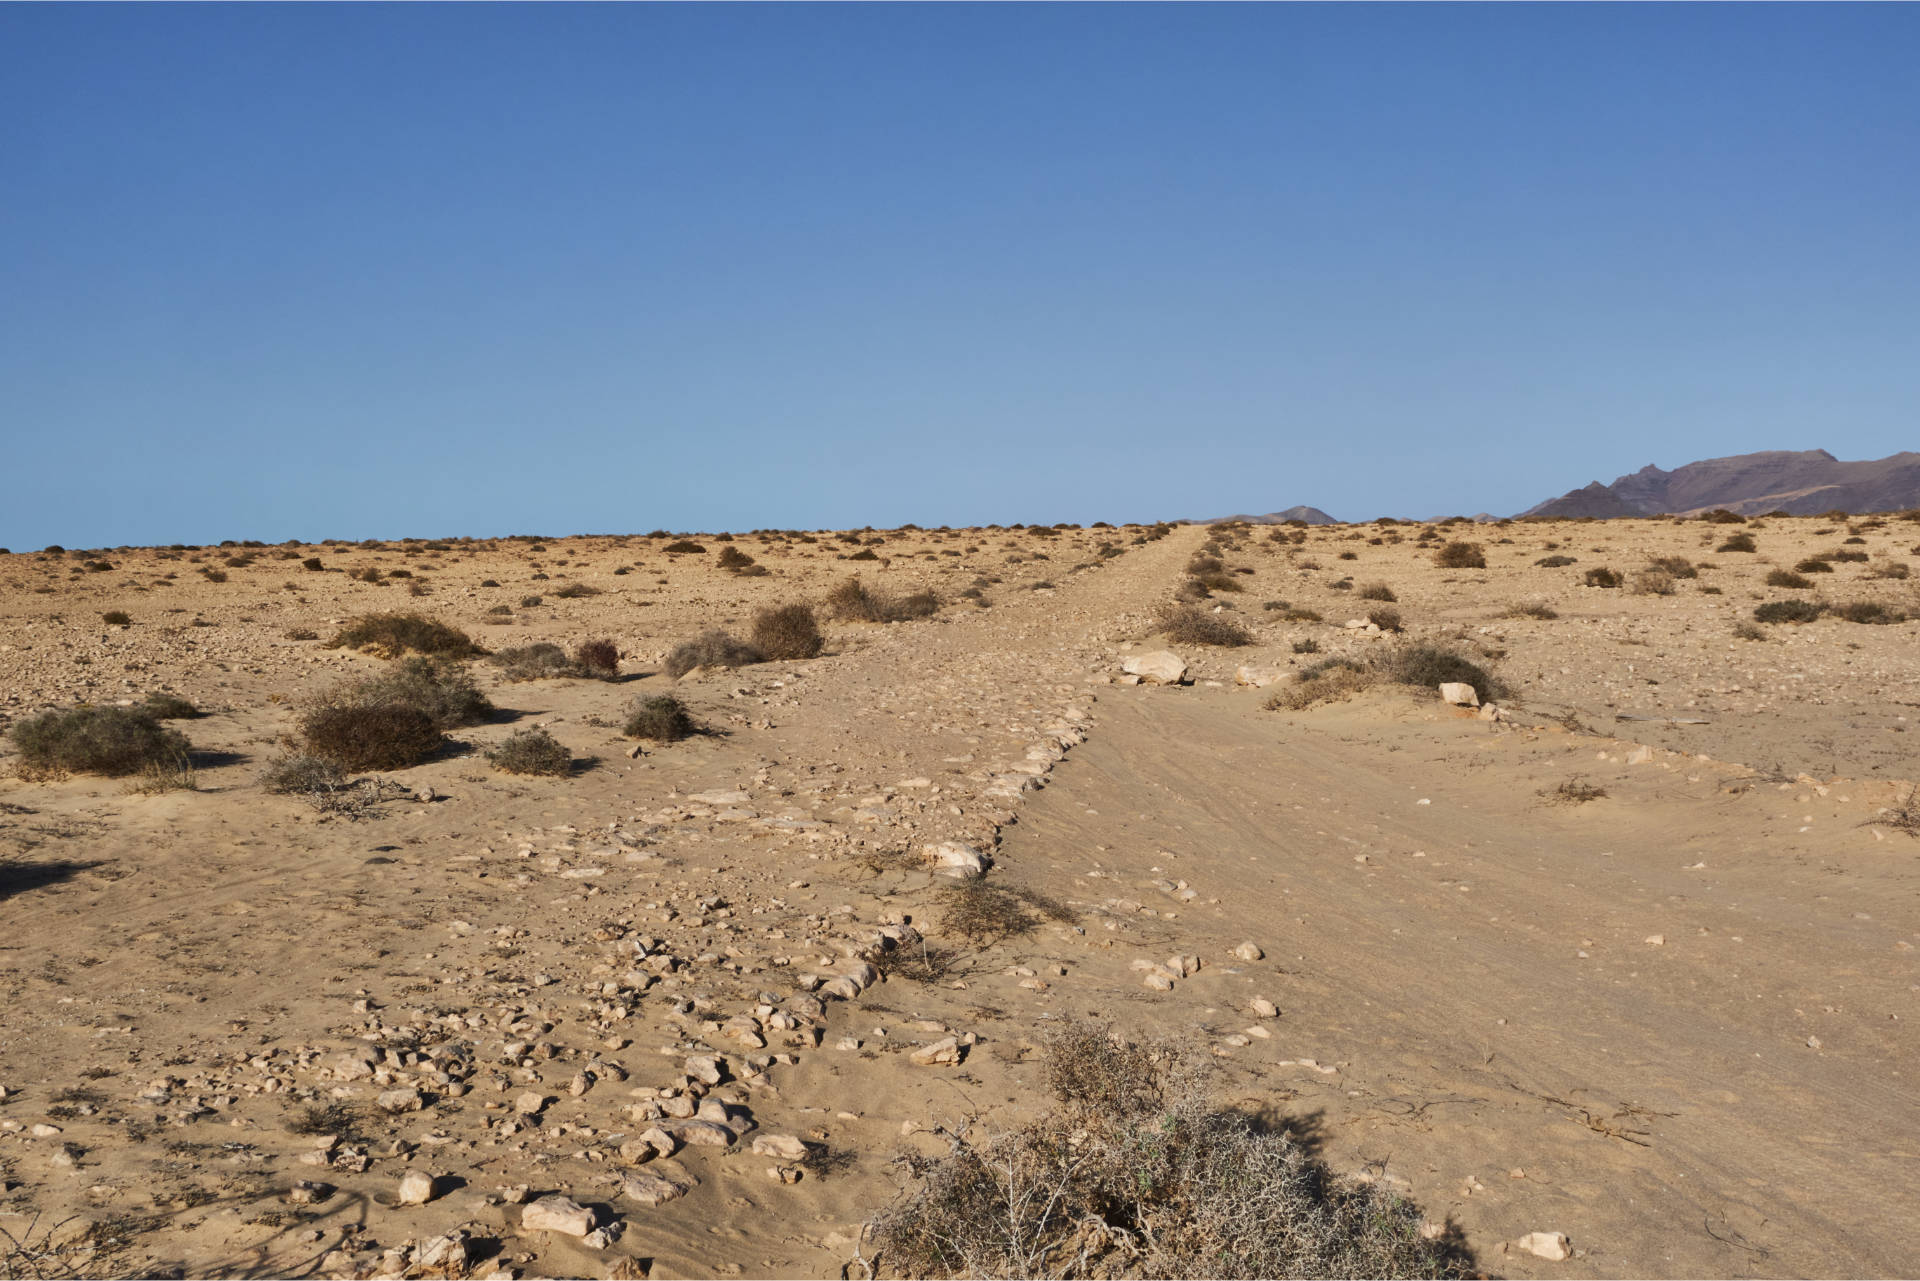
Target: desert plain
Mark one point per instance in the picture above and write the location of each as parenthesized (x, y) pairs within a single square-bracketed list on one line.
[(1613, 976)]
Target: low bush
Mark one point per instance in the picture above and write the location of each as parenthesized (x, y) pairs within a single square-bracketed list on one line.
[(1787, 578), (1218, 582), (312, 565), (117, 618), (855, 602), (1652, 582), (1531, 609), (1889, 569), (391, 635), (1429, 666), (597, 659), (357, 737), (1744, 630), (1721, 516), (531, 751), (1190, 625), (732, 558), (662, 718), (1869, 611), (167, 707), (1556, 562), (784, 633), (300, 773), (542, 660), (1789, 611), (682, 547), (1376, 591), (575, 591), (441, 688), (96, 740), (1741, 542), (1676, 566), (1307, 646), (1205, 565), (713, 648), (1601, 576), (1814, 565), (1134, 1173), (1458, 555), (1845, 555), (1385, 617)]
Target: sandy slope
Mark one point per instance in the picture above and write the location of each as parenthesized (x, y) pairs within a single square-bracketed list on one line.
[(1471, 979)]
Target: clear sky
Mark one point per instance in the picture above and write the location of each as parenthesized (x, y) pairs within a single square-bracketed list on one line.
[(298, 271)]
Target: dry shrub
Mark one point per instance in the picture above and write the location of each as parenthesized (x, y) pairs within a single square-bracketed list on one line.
[(1556, 562), (1321, 682), (1531, 609), (442, 689), (1190, 625), (96, 740), (1422, 666), (1652, 582), (1895, 569), (661, 718), (1787, 578), (575, 591), (710, 649), (1576, 791), (1741, 542), (117, 618), (1814, 565), (1744, 630), (733, 559), (1218, 582), (1135, 1173), (391, 635), (167, 707), (853, 601), (683, 546), (983, 913), (369, 737), (531, 751), (787, 632), (1459, 555), (1869, 611), (1601, 576), (1677, 566), (299, 774), (1721, 516), (1788, 611), (597, 659), (1376, 591), (539, 661), (1385, 617)]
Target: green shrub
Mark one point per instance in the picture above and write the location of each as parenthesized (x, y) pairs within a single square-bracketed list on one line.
[(1189, 625), (710, 649), (662, 718), (391, 635), (1458, 555), (1789, 611), (356, 737), (531, 751), (96, 740), (1787, 578), (787, 632)]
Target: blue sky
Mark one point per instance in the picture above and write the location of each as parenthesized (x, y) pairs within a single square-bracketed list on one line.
[(297, 271)]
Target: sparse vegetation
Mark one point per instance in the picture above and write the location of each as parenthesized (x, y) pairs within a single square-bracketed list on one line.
[(1652, 582), (1814, 565), (117, 618), (542, 660), (1460, 555), (1135, 1173), (1419, 665), (1385, 617), (1869, 611), (1191, 625), (1740, 542), (1577, 791), (358, 737), (1789, 611), (1376, 591), (660, 717), (1601, 576), (784, 633), (710, 649), (162, 706), (1531, 609), (853, 601), (531, 751), (112, 741), (597, 659), (391, 635), (1787, 578), (1556, 562)]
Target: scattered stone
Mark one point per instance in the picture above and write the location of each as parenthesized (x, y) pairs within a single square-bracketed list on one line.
[(416, 1187), (942, 1053), (1552, 1246), (407, 1100), (531, 1103), (1157, 668), (1249, 952), (783, 1146), (650, 1189), (1459, 693), (1263, 1008), (557, 1214)]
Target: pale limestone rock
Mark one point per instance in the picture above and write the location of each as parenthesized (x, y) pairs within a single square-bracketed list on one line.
[(650, 1189), (1459, 693), (944, 1052), (951, 858), (416, 1188), (407, 1100), (1249, 952), (1552, 1246), (557, 1214), (781, 1146), (1263, 1008), (1157, 668)]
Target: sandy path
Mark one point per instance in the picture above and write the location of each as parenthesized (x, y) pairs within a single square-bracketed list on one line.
[(1463, 991)]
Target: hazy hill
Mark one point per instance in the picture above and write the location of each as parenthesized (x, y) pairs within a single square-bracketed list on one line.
[(1311, 515), (1804, 483)]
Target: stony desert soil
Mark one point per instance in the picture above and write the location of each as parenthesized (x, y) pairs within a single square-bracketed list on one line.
[(708, 992)]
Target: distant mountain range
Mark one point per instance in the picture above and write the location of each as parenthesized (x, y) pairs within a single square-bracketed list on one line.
[(1801, 483), (1311, 515)]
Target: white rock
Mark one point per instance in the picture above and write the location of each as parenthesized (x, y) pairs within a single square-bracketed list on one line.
[(943, 1052), (650, 1189), (407, 1100), (557, 1214), (416, 1187), (1159, 980), (531, 1103), (1258, 677), (783, 1146), (705, 1134), (1640, 755), (951, 858), (1263, 1008), (704, 1068), (1459, 693), (1249, 952), (1157, 668), (1552, 1246)]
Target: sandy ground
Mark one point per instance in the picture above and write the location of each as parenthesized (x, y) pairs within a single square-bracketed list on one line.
[(1672, 1022)]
